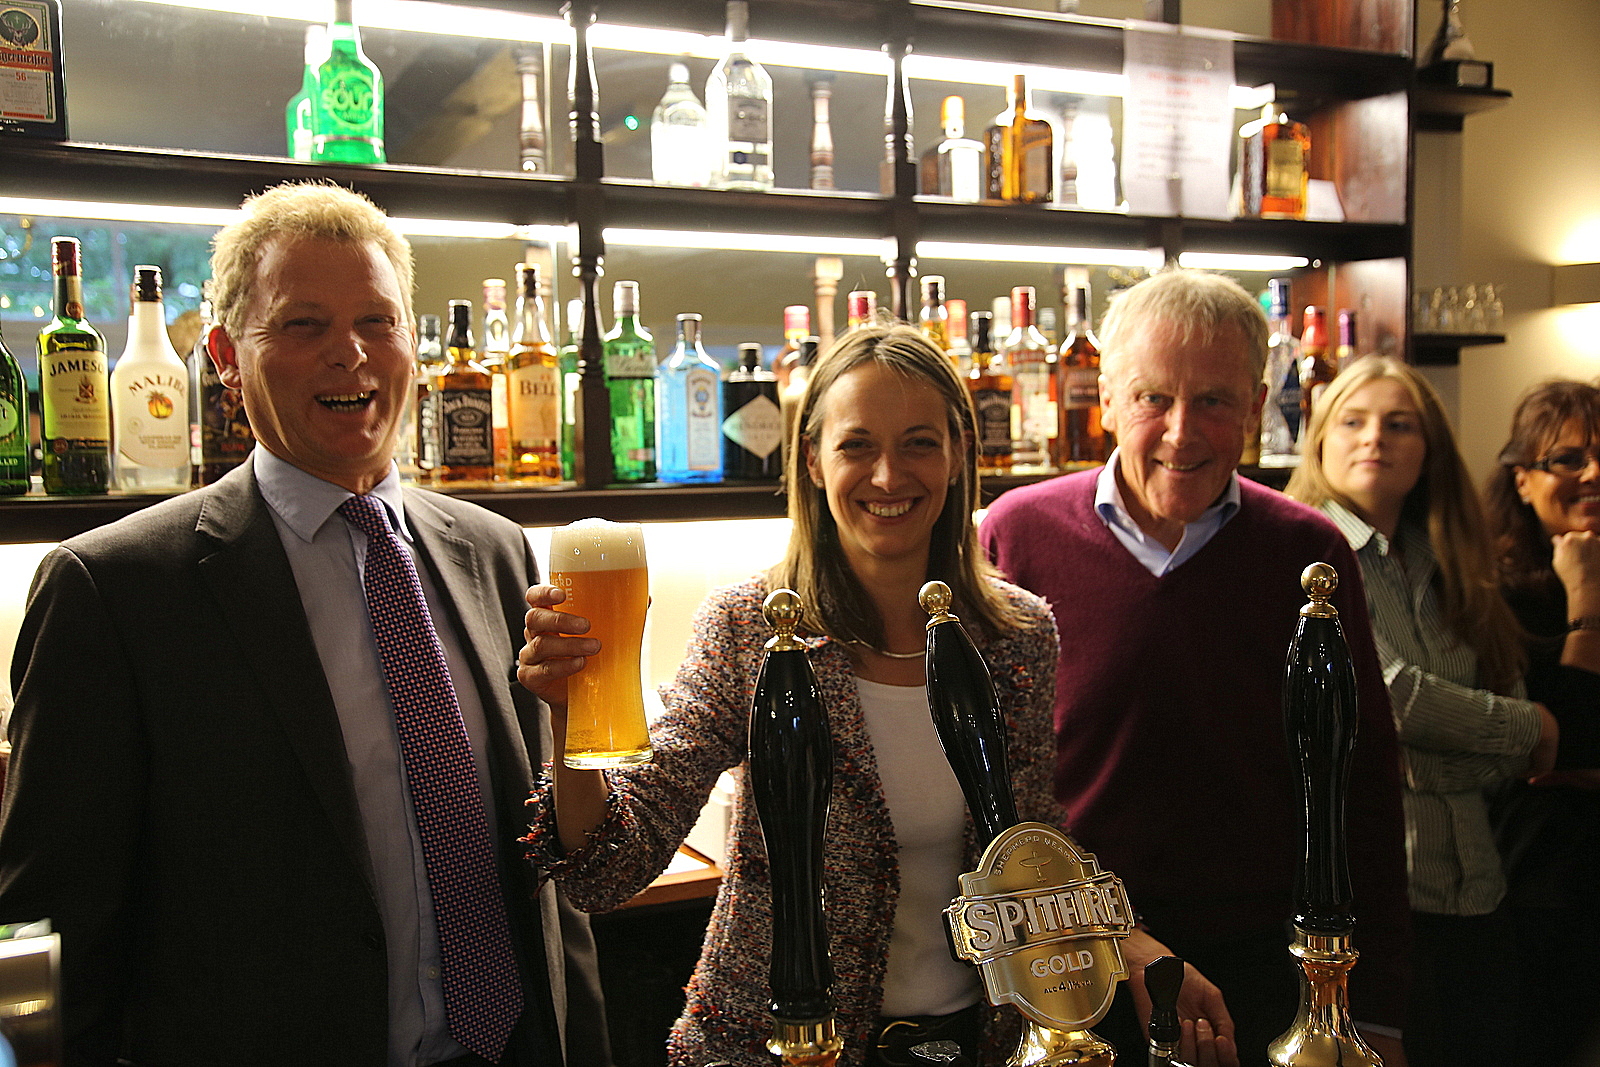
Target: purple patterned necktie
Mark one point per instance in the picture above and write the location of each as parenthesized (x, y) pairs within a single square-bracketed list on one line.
[(482, 993)]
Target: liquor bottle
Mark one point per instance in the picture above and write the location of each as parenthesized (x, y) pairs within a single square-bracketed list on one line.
[(220, 436), (297, 112), (347, 108), (533, 389), (1280, 417), (74, 386), (934, 318), (791, 394), (496, 347), (752, 430), (567, 361), (1000, 326), (681, 152), (739, 104), (990, 384), (689, 410), (15, 436), (464, 397), (960, 347), (630, 357), (1045, 319), (1273, 177), (430, 359), (1346, 353), (954, 166), (821, 130), (1316, 364), (1027, 151), (149, 399), (1033, 388), (861, 308), (796, 328), (1083, 439)]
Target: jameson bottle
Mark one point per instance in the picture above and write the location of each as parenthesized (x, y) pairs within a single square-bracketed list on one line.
[(14, 433), (74, 387), (990, 383), (688, 410), (347, 107), (630, 357), (533, 389), (425, 405), (1083, 439), (149, 399), (752, 428), (221, 438), (464, 402)]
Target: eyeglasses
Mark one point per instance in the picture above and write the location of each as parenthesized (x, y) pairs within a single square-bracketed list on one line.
[(1567, 461)]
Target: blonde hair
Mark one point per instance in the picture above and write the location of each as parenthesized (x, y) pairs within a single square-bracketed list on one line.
[(1444, 503), (296, 209), (814, 564), (1197, 304)]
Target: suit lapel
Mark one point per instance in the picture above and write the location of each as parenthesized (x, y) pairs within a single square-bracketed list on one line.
[(249, 575)]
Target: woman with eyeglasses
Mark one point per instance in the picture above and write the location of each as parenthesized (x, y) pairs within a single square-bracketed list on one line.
[(1380, 460), (1544, 509)]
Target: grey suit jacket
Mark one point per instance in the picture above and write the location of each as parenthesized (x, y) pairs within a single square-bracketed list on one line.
[(180, 805)]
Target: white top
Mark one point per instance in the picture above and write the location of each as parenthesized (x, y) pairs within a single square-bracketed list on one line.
[(929, 815)]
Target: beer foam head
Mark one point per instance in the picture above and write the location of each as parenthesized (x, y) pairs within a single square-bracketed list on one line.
[(597, 545)]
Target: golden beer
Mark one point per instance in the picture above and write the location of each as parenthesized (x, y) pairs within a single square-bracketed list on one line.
[(601, 567)]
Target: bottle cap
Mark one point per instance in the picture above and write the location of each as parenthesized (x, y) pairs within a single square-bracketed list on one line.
[(749, 356), (808, 351), (528, 279), (146, 288)]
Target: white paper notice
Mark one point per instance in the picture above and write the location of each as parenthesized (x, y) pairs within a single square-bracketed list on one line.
[(1177, 121)]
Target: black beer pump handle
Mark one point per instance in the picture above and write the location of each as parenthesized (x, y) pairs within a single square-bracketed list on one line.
[(791, 776), (1319, 716), (966, 714), (1163, 981)]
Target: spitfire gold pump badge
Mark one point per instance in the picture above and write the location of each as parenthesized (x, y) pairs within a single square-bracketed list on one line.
[(1042, 923)]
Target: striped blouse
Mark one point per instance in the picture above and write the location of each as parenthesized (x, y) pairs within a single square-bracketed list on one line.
[(1455, 739)]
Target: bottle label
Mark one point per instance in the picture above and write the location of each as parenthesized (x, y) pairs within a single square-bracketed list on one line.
[(152, 418), (1083, 388), (631, 362), (466, 428), (748, 120), (535, 411), (74, 397), (1286, 167), (10, 417), (705, 436), (757, 427), (570, 381), (346, 93), (994, 421)]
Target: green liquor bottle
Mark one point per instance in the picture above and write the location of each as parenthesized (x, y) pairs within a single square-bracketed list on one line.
[(347, 108), (630, 356), (14, 434), (74, 386), (297, 112), (567, 365)]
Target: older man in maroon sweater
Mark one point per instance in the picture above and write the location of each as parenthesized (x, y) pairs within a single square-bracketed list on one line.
[(1176, 588)]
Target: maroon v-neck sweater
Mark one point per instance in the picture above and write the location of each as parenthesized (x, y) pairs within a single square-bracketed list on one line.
[(1170, 757)]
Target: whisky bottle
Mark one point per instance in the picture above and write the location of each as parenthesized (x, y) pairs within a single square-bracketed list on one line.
[(15, 436), (74, 386), (430, 358), (464, 395), (861, 308), (496, 347), (1317, 370), (297, 112), (960, 346), (220, 437), (1034, 387), (630, 366), (1280, 417), (681, 151), (689, 410), (739, 104), (1273, 156), (954, 166), (149, 399), (990, 384), (752, 430), (347, 108), (1083, 439), (934, 318), (533, 389), (1027, 151)]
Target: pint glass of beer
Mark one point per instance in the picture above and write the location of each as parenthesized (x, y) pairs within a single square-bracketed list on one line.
[(601, 567)]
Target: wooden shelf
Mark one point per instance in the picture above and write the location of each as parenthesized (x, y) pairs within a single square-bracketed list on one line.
[(1440, 109), (1444, 349)]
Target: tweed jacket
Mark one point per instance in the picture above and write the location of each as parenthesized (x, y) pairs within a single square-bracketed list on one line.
[(703, 733)]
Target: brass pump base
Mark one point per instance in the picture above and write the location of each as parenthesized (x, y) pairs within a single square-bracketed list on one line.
[(1044, 1047), (1322, 1034), (805, 1042)]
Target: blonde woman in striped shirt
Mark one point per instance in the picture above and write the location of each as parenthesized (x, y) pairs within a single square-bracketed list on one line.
[(1380, 460)]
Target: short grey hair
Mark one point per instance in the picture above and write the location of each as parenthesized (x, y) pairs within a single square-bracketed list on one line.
[(1196, 303)]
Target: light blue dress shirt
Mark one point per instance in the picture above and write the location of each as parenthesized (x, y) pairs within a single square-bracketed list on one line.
[(1152, 554)]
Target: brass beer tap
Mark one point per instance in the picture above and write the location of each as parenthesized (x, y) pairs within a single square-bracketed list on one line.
[(791, 778), (1319, 712)]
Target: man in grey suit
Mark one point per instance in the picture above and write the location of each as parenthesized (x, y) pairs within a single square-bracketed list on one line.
[(208, 794)]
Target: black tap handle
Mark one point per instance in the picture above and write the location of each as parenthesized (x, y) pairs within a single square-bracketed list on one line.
[(791, 777), (966, 714), (1163, 980), (1319, 716)]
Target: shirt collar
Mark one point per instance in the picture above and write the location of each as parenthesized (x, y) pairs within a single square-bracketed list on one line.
[(1109, 505), (1410, 537), (304, 502)]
